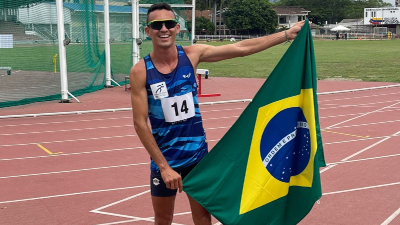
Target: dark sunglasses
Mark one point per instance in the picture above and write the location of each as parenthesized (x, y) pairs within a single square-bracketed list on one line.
[(158, 24)]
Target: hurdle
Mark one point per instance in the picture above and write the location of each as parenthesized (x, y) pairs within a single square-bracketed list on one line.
[(6, 68), (205, 73)]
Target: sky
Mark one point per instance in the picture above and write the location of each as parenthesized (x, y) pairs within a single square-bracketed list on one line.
[(389, 1)]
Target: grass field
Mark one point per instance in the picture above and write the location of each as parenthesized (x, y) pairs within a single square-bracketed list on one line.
[(366, 60)]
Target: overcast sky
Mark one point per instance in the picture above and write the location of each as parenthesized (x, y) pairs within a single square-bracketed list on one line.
[(389, 1)]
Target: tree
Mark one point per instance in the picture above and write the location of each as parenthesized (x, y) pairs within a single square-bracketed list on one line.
[(251, 16), (334, 10), (203, 26)]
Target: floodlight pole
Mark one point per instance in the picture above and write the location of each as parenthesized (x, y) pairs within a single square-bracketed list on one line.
[(107, 42), (61, 50)]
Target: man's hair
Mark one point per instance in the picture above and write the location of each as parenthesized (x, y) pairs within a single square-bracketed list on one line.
[(159, 6)]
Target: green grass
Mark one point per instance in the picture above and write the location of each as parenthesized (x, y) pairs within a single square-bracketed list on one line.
[(365, 60)]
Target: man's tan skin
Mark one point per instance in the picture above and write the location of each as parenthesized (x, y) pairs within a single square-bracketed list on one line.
[(165, 59)]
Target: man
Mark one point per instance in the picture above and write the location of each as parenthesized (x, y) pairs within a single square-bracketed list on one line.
[(164, 90)]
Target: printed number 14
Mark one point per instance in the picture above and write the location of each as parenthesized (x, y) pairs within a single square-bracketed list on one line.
[(184, 108)]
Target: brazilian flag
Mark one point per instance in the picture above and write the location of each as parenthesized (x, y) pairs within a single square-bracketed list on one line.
[(265, 170)]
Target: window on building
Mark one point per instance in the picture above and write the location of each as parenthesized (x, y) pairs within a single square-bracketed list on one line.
[(282, 19)]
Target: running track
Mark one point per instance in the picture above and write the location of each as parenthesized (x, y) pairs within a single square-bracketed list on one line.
[(90, 168)]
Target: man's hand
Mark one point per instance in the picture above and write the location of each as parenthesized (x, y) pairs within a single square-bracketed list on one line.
[(292, 32), (172, 179)]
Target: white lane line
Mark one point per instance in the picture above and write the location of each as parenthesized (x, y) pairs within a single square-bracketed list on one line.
[(72, 194), (71, 140), (68, 121), (364, 124), (391, 217), (69, 154), (135, 218), (365, 159), (362, 188), (71, 171), (334, 125), (361, 151), (362, 139), (358, 97), (74, 129)]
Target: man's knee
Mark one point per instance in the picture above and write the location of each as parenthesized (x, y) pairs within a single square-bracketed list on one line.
[(201, 218), (163, 219)]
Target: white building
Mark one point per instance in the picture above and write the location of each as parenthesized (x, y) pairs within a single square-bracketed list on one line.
[(388, 17)]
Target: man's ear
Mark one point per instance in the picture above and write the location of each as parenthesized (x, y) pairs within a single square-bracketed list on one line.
[(178, 28), (147, 30)]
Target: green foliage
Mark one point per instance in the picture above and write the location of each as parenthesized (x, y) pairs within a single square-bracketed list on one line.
[(203, 26), (334, 10), (251, 16)]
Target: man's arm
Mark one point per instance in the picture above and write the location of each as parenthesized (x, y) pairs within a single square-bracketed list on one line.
[(137, 79), (208, 53)]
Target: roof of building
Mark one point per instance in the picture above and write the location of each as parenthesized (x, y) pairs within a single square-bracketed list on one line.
[(290, 10)]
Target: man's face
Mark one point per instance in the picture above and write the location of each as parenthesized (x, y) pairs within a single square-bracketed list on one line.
[(162, 37)]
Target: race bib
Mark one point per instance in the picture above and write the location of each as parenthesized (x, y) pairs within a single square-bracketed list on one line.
[(178, 108), (159, 90)]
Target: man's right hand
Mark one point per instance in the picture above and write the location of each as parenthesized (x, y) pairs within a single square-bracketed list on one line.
[(172, 179)]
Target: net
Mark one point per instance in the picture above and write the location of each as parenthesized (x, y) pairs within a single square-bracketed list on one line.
[(29, 62)]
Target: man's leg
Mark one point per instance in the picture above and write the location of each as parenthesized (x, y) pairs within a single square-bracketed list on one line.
[(163, 209), (199, 214)]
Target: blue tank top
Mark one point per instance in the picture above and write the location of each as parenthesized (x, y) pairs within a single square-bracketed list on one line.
[(174, 113)]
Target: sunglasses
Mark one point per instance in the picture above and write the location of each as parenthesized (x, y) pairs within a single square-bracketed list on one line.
[(158, 24)]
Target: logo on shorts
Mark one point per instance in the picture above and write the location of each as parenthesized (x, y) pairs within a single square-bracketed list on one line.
[(156, 181)]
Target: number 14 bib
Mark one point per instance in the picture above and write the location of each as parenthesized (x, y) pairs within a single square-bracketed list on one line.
[(178, 108)]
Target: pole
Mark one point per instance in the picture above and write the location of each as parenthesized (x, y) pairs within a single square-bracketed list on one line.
[(135, 32), (107, 43), (62, 53), (193, 20)]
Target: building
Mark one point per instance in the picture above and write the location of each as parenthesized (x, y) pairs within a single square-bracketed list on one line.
[(288, 15), (381, 19)]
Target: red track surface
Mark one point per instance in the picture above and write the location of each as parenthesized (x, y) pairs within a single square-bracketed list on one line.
[(99, 172)]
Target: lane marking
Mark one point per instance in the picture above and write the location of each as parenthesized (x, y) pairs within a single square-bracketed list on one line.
[(353, 135), (74, 129), (74, 153), (358, 97), (44, 149), (72, 140), (365, 159), (362, 115), (69, 121), (73, 194), (364, 139), (365, 124), (391, 217), (361, 151), (77, 170), (362, 188)]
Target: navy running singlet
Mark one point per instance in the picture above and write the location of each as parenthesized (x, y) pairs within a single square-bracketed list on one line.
[(174, 113)]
